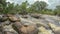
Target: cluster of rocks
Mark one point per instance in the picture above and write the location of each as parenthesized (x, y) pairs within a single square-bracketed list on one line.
[(11, 24)]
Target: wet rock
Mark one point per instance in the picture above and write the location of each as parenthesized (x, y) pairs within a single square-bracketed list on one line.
[(55, 29), (42, 30)]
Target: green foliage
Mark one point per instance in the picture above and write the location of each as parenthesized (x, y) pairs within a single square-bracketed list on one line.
[(57, 10), (10, 8), (2, 6), (25, 7), (38, 6), (47, 11)]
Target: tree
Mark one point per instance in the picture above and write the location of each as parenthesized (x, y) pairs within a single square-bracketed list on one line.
[(38, 6), (57, 10), (2, 6), (10, 8), (7, 7), (23, 7)]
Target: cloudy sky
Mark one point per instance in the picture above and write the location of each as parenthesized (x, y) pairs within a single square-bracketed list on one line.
[(52, 3)]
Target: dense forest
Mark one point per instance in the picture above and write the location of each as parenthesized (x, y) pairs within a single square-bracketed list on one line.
[(25, 8)]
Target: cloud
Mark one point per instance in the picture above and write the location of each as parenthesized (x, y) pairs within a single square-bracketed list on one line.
[(43, 0), (53, 3), (10, 1), (16, 1)]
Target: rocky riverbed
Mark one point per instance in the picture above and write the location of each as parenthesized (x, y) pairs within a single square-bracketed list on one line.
[(29, 24)]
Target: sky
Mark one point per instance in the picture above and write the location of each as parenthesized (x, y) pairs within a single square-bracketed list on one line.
[(52, 3)]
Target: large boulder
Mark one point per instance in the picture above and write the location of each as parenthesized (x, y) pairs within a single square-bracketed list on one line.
[(42, 24), (13, 18), (42, 30), (28, 30), (3, 18), (8, 29), (25, 29), (5, 23), (55, 28)]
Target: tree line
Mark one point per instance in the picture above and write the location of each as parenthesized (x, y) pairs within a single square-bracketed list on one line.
[(25, 8)]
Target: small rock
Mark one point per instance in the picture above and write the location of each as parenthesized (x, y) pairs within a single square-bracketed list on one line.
[(25, 16), (35, 15)]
